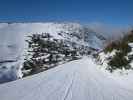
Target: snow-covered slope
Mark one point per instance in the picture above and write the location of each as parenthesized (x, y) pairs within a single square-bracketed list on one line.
[(77, 80), (12, 36), (13, 44)]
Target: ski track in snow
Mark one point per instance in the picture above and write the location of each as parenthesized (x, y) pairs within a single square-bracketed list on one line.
[(76, 80)]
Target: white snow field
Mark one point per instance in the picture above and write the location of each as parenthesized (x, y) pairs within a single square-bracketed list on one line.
[(76, 80)]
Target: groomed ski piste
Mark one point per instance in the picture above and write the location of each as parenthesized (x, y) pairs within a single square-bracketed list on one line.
[(76, 80)]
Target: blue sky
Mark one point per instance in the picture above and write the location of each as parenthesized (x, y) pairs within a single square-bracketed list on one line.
[(114, 12)]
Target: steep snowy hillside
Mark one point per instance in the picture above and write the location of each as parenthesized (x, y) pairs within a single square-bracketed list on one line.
[(13, 45), (76, 80)]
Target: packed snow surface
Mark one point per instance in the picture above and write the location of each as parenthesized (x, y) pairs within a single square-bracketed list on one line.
[(76, 80)]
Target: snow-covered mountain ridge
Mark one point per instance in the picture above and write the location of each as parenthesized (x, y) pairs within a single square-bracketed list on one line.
[(13, 45)]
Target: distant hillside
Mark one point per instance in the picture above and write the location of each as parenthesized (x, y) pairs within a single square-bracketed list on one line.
[(13, 45)]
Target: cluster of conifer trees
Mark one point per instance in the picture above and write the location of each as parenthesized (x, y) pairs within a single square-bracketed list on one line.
[(46, 52)]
